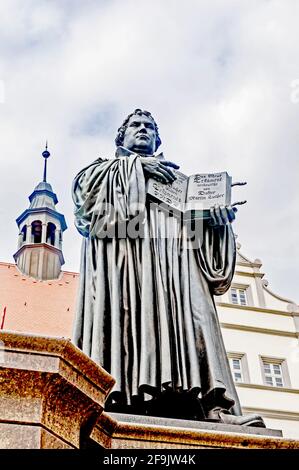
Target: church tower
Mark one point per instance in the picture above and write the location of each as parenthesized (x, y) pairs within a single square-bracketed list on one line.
[(39, 252)]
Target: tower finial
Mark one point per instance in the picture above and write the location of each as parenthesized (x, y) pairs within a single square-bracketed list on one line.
[(46, 155)]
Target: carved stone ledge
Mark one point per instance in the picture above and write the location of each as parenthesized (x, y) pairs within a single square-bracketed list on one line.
[(116, 431), (51, 394)]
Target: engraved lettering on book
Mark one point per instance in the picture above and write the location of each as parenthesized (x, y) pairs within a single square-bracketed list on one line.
[(195, 194)]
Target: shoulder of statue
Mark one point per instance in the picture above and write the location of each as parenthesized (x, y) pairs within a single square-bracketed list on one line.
[(91, 167), (100, 160), (97, 162), (95, 166)]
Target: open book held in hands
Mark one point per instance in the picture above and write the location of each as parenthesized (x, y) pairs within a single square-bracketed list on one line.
[(192, 195)]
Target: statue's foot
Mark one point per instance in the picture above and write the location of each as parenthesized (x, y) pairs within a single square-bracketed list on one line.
[(223, 416)]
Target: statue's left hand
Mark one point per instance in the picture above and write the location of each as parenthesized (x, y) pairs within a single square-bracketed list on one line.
[(222, 215)]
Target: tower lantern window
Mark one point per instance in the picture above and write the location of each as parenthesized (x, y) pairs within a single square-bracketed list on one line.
[(36, 231), (51, 233), (24, 232)]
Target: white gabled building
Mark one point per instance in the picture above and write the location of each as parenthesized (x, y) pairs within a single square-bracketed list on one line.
[(261, 335)]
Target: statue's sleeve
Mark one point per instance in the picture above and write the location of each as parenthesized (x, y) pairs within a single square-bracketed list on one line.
[(107, 192), (218, 257)]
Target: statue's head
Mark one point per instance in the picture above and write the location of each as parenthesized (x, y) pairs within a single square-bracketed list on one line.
[(139, 133)]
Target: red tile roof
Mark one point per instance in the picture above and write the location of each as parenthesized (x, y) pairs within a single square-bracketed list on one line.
[(40, 307)]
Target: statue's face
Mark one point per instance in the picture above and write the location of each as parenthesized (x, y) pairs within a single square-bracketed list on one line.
[(140, 135)]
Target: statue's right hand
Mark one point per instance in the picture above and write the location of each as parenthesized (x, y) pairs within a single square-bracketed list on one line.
[(159, 169)]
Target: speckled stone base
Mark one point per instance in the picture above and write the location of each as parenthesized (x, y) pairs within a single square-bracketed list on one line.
[(139, 432), (194, 425), (51, 394)]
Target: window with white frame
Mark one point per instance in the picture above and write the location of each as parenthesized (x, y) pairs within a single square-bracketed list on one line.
[(239, 366), (238, 296), (236, 368), (273, 374)]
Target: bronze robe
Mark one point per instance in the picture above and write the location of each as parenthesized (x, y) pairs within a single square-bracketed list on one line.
[(145, 309)]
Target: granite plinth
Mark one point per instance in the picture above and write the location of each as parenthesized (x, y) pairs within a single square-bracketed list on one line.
[(118, 431), (192, 424), (51, 394)]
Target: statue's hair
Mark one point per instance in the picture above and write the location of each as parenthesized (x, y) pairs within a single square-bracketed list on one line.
[(122, 129)]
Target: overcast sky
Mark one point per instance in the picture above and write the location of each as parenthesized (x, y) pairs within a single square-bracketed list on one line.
[(221, 77)]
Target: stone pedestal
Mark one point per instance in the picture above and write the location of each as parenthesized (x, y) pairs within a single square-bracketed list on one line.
[(119, 431), (51, 394)]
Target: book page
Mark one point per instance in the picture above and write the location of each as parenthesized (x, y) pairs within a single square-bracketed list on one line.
[(173, 194), (206, 190)]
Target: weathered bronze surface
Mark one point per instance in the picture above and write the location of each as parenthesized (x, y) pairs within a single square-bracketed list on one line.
[(146, 311)]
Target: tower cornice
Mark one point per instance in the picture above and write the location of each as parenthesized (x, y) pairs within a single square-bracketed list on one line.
[(43, 210)]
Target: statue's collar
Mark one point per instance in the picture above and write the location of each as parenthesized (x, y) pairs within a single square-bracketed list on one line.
[(124, 152)]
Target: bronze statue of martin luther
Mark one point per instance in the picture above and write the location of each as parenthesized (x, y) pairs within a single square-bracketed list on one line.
[(146, 310)]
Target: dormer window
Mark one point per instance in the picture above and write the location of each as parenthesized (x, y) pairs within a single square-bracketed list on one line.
[(238, 296)]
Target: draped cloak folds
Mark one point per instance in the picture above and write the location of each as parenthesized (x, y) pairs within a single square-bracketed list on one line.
[(145, 309)]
